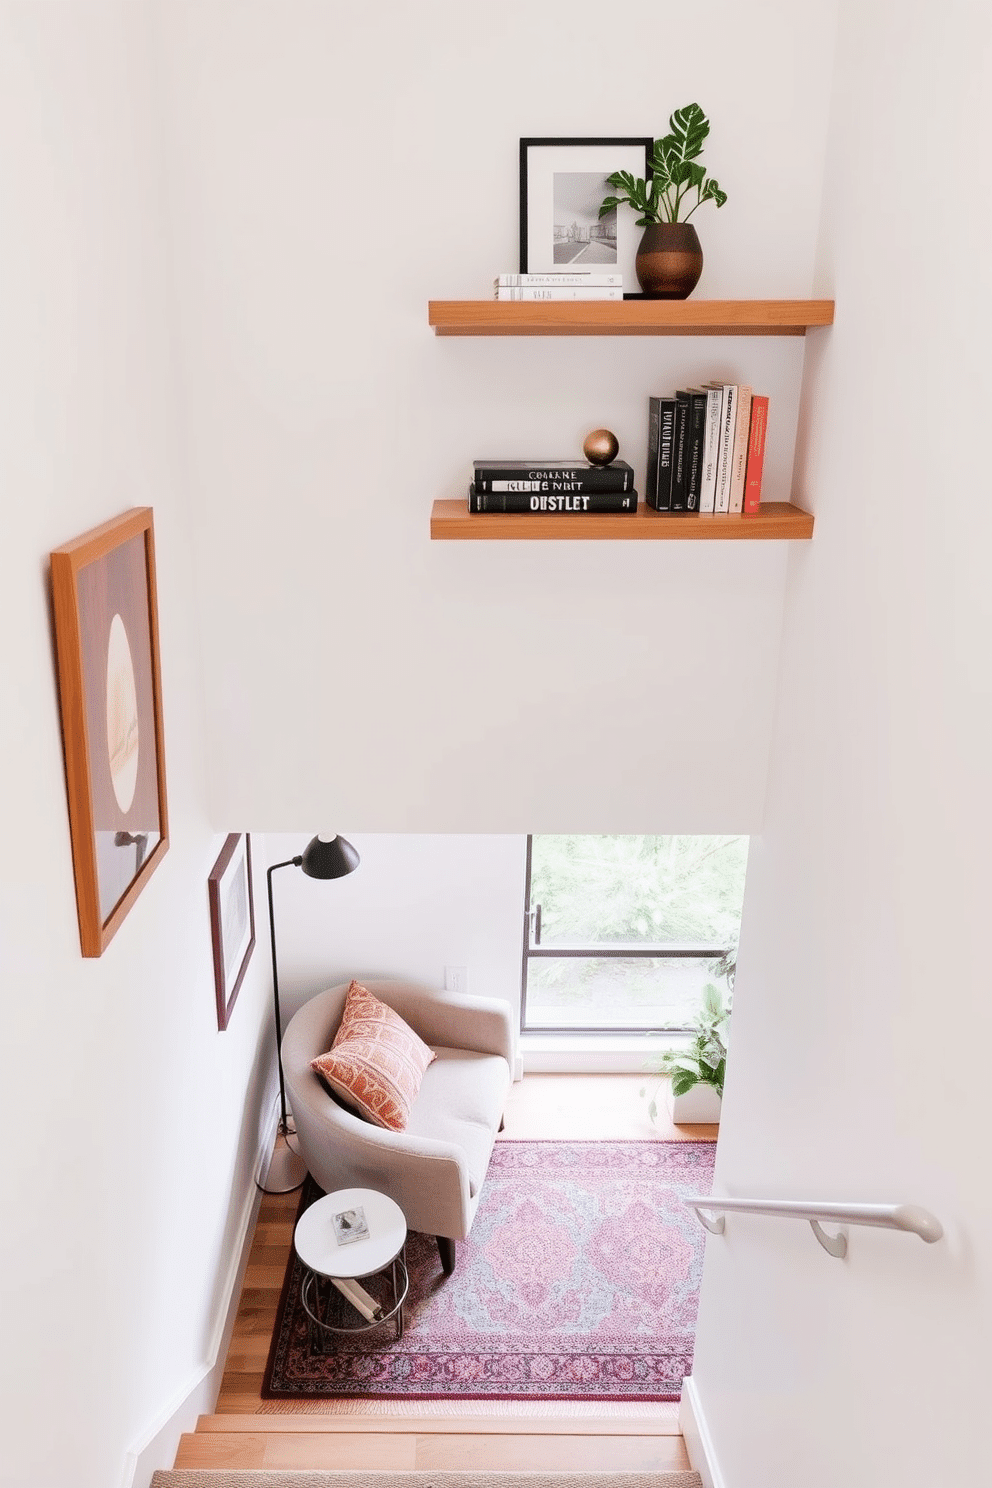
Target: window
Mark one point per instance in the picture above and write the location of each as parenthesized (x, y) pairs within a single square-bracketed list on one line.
[(621, 934)]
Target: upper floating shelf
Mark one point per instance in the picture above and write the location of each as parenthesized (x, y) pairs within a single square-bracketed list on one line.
[(628, 317)]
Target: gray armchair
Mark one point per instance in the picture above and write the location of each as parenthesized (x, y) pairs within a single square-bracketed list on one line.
[(435, 1168)]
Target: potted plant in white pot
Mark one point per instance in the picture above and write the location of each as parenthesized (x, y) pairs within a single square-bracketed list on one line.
[(669, 257), (697, 1073)]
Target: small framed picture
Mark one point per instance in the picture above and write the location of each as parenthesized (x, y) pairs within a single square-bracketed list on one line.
[(350, 1225), (110, 694), (232, 921), (562, 184)]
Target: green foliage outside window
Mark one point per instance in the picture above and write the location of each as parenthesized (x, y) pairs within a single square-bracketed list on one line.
[(611, 889)]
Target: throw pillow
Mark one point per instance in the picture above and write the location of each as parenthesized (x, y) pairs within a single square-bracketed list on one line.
[(376, 1062)]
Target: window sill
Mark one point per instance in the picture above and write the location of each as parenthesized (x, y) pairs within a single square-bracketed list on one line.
[(593, 1053)]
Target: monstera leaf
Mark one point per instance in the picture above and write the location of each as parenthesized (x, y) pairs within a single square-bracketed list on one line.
[(673, 156), (689, 127), (711, 192), (638, 193), (675, 172)]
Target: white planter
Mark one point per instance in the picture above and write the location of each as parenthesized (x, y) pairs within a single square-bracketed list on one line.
[(701, 1103)]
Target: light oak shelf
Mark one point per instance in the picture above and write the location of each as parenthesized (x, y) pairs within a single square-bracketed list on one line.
[(775, 520), (628, 317)]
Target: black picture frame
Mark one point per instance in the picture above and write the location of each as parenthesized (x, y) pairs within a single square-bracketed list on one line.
[(232, 921), (540, 252)]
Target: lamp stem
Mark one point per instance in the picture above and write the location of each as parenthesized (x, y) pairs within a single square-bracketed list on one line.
[(289, 863)]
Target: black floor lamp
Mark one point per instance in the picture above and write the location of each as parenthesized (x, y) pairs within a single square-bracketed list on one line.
[(324, 857)]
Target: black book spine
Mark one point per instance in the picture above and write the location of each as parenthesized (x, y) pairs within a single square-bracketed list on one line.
[(619, 476), (666, 447), (654, 432), (697, 440), (680, 456), (551, 502)]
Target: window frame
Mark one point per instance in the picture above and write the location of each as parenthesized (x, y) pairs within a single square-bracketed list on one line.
[(624, 951)]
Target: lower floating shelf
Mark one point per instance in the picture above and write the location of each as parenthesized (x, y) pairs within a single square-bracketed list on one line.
[(775, 520)]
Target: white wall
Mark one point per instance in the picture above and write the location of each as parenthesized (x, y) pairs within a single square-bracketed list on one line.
[(327, 172), (414, 905), (131, 1124), (332, 170), (865, 1080)]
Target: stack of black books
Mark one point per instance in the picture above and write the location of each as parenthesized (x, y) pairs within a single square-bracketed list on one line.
[(546, 486)]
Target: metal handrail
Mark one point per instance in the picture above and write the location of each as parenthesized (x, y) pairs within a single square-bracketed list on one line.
[(908, 1217)]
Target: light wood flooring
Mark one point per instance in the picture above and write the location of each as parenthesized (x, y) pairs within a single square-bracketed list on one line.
[(247, 1431)]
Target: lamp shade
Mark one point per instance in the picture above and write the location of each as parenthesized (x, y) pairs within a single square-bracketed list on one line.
[(329, 857)]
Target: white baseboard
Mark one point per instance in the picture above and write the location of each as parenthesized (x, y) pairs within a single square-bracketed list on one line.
[(696, 1432), (156, 1446)]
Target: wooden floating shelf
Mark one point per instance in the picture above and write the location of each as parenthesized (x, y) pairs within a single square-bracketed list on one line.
[(628, 317), (452, 521)]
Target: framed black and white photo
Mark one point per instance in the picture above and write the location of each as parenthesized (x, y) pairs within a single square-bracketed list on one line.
[(232, 921), (562, 184)]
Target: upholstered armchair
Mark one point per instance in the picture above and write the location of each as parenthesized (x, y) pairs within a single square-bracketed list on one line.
[(435, 1168)]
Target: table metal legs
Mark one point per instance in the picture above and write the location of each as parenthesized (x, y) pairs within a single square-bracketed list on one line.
[(320, 1302)]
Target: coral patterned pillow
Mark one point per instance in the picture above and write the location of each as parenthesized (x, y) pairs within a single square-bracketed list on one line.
[(376, 1062)]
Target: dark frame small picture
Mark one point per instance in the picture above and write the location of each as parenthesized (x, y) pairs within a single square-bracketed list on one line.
[(232, 921), (562, 184)]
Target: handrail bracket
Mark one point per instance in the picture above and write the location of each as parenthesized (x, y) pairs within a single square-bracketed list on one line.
[(715, 1223), (835, 1245)]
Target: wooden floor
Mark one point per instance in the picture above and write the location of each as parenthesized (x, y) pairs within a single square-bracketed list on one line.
[(582, 1108), (247, 1431)]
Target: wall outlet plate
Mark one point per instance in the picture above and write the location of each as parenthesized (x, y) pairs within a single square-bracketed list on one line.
[(456, 979)]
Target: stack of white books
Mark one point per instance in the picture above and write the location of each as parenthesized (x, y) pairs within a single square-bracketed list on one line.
[(565, 284)]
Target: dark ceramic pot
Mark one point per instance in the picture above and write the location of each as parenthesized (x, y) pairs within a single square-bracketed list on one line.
[(669, 260)]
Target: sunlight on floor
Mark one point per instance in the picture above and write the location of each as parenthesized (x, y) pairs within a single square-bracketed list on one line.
[(592, 1107)]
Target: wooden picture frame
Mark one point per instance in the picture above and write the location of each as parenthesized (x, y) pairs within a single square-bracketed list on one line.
[(105, 609), (232, 921), (569, 175)]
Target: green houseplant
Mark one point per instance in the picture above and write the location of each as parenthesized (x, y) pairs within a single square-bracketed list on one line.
[(669, 257), (704, 1063)]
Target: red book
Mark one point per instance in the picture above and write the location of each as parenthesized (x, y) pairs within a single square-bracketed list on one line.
[(755, 453)]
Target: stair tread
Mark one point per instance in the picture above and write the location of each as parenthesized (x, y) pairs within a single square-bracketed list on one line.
[(255, 1478), (660, 1425), (419, 1450)]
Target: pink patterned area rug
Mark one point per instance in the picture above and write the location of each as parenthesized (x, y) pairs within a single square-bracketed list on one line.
[(579, 1281)]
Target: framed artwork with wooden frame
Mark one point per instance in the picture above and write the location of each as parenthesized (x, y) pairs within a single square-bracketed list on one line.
[(232, 921), (110, 694)]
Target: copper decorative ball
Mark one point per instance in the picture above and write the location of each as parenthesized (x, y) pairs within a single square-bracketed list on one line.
[(601, 446)]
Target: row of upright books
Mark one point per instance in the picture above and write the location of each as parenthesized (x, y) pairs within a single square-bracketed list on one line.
[(706, 449), (568, 284)]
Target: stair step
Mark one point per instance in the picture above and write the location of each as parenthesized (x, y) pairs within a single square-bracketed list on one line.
[(185, 1478), (423, 1449), (665, 1423)]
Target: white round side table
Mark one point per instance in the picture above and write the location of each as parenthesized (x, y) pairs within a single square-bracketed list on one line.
[(330, 1264)]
